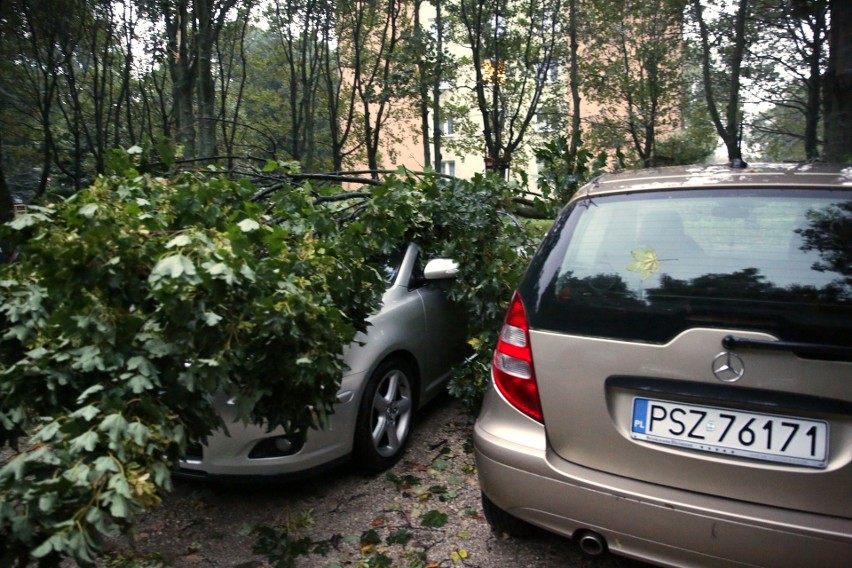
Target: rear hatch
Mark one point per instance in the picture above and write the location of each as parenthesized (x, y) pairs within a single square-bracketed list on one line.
[(701, 339)]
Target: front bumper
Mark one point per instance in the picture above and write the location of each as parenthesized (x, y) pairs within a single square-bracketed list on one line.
[(228, 454), (657, 524)]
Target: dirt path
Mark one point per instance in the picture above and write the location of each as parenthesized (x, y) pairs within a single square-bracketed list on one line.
[(424, 513)]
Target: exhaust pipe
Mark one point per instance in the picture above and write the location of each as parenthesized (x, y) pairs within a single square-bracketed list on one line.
[(591, 543)]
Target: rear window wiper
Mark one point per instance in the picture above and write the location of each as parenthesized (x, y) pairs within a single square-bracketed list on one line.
[(808, 350)]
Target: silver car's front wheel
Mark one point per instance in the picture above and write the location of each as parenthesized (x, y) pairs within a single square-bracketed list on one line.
[(385, 416)]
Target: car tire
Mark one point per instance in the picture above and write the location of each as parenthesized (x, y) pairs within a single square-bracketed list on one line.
[(503, 523), (385, 416)]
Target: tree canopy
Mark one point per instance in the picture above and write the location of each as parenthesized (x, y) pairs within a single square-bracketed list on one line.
[(336, 85)]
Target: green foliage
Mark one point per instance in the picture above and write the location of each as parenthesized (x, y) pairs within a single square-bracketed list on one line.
[(401, 537), (563, 172), (471, 227), (140, 298), (509, 74), (635, 75), (278, 543), (434, 519), (135, 301)]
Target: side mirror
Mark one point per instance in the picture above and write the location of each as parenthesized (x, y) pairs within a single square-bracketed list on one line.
[(440, 268)]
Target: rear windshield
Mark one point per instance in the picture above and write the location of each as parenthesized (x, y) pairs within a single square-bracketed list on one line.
[(647, 266)]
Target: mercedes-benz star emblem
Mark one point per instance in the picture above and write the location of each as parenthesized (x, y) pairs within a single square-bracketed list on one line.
[(728, 367)]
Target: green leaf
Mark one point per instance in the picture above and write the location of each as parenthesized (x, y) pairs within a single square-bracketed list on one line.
[(139, 383), (88, 392), (88, 359), (179, 241), (434, 519), (106, 464), (247, 272), (248, 225), (86, 412), (86, 441), (15, 469), (370, 537), (89, 210), (211, 319), (118, 483), (114, 425), (47, 502), (37, 353), (142, 366), (220, 270), (380, 560), (138, 432), (55, 542), (118, 507), (172, 267), (47, 433), (401, 536), (27, 220)]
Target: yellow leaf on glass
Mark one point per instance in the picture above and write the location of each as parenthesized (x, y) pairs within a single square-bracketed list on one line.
[(645, 262)]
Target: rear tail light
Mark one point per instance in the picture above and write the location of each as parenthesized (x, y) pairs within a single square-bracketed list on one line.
[(512, 367)]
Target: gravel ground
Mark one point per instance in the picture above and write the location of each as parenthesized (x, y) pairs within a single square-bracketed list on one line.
[(424, 513)]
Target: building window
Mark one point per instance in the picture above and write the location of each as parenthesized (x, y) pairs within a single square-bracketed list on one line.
[(448, 167), (447, 127), (546, 121), (548, 73), (553, 72)]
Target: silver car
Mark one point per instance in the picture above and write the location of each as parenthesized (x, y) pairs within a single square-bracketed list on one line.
[(673, 381), (403, 361)]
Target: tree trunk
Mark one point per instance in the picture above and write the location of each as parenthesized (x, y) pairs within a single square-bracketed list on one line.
[(182, 72), (814, 85), (436, 86), (573, 78), (728, 132), (6, 205), (838, 84), (205, 38), (423, 78)]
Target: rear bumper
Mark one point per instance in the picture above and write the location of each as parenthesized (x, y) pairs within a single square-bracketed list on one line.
[(641, 520)]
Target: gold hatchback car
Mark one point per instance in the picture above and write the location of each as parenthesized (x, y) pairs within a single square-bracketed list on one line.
[(673, 381)]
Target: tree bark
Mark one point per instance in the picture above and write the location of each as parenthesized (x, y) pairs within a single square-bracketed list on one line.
[(6, 205), (813, 85), (573, 78), (838, 84), (182, 71), (205, 37), (436, 86), (423, 76), (728, 131)]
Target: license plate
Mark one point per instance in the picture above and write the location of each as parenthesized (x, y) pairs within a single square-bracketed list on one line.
[(768, 437)]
